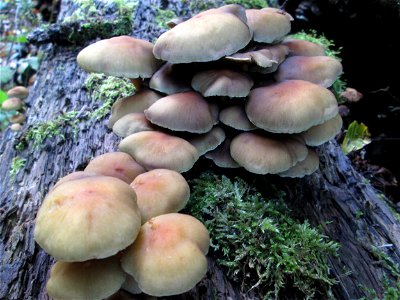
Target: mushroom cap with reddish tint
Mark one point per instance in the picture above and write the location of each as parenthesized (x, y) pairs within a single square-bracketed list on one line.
[(208, 141), (168, 256), (157, 150), (269, 25), (12, 104), (299, 47), (207, 36), (182, 112), (266, 155), (321, 70), (234, 116), (291, 106), (319, 134), (77, 220), (115, 164), (18, 92), (93, 279), (305, 167), (123, 56), (132, 123), (160, 191)]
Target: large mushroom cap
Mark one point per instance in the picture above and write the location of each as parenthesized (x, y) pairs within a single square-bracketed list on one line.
[(122, 56), (94, 279), (266, 155), (168, 257), (77, 220), (305, 167), (222, 82), (159, 192), (157, 150), (207, 36), (321, 70), (182, 112), (319, 134), (291, 106), (269, 25), (115, 164)]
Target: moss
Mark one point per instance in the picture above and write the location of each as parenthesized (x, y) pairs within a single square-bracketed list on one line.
[(107, 89), (163, 16), (249, 3), (17, 164), (199, 5), (258, 242)]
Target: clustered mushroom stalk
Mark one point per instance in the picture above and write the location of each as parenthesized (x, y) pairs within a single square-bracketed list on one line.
[(225, 84)]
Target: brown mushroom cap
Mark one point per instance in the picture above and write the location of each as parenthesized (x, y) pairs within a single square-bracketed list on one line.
[(321, 70), (208, 141), (221, 156), (266, 155), (18, 92), (12, 104), (269, 25), (171, 79), (17, 118), (306, 167), (122, 56), (115, 164), (157, 150), (160, 191), (235, 117), (303, 48), (291, 106), (207, 36), (93, 279), (76, 221), (222, 82), (168, 256), (136, 103), (182, 112), (132, 123), (319, 134)]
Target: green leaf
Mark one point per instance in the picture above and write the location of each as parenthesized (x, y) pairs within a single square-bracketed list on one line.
[(3, 96), (6, 74), (357, 136)]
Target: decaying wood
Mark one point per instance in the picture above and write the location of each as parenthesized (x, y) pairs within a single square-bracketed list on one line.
[(332, 197)]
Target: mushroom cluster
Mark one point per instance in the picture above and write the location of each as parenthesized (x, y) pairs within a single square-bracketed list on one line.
[(115, 226), (15, 103), (227, 84)]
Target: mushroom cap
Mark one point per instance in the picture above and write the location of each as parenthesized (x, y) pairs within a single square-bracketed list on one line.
[(123, 56), (93, 279), (299, 47), (136, 103), (222, 82), (115, 164), (208, 141), (132, 123), (15, 127), (157, 150), (234, 116), (291, 106), (76, 221), (207, 36), (74, 176), (18, 92), (305, 167), (266, 155), (131, 285), (12, 104), (160, 191), (269, 25), (171, 79), (319, 134), (17, 118), (221, 156), (168, 256), (182, 112), (321, 70)]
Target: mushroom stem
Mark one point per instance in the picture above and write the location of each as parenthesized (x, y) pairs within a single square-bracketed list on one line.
[(137, 82)]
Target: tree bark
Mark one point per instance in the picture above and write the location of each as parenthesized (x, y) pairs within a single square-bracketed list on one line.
[(332, 197)]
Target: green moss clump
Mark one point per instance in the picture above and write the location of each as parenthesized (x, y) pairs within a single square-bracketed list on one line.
[(258, 242), (163, 16), (107, 89), (17, 164), (249, 3)]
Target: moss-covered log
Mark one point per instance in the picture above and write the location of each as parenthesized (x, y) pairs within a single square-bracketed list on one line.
[(349, 210)]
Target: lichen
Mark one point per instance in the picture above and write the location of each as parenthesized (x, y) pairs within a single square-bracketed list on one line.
[(17, 164), (258, 242)]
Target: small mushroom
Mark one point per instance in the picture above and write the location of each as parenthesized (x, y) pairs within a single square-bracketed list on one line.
[(319, 134), (208, 141), (17, 118), (18, 92), (115, 164), (221, 156), (12, 104), (303, 48), (157, 150), (16, 127), (160, 191), (168, 256), (74, 176), (88, 218), (132, 123), (306, 167), (171, 79), (93, 279), (235, 117), (131, 285)]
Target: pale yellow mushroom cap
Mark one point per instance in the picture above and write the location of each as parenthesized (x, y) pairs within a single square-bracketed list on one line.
[(168, 256), (77, 220), (93, 279)]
